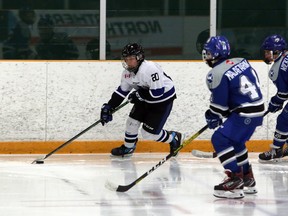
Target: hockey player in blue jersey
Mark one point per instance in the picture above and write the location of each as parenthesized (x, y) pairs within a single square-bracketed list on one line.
[(274, 50), (152, 97), (236, 97)]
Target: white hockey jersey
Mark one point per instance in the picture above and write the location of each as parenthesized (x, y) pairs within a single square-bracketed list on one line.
[(151, 80)]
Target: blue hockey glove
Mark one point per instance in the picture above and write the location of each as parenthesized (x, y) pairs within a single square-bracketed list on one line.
[(135, 97), (212, 120), (106, 113), (275, 104)]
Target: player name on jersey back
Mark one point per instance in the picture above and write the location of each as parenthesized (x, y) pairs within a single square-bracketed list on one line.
[(237, 69)]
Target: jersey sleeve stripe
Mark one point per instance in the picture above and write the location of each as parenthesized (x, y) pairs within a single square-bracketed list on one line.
[(121, 93), (283, 96), (166, 96), (156, 93)]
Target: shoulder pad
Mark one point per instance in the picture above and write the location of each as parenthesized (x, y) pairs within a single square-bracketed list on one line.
[(277, 66), (150, 67), (215, 75), (213, 79)]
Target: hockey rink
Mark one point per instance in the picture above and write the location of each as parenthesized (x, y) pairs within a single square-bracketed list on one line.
[(70, 185)]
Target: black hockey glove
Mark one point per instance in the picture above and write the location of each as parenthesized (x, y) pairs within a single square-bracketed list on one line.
[(212, 120), (135, 97), (106, 113), (275, 104)]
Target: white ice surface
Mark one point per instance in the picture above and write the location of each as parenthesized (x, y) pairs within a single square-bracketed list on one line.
[(70, 185)]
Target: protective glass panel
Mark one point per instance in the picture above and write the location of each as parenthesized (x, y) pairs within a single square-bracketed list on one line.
[(167, 29), (60, 30), (247, 23)]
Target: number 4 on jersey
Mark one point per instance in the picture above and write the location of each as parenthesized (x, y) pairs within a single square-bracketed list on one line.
[(248, 88)]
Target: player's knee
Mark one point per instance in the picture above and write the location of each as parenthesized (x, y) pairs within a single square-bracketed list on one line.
[(219, 141), (132, 125), (149, 136), (283, 118)]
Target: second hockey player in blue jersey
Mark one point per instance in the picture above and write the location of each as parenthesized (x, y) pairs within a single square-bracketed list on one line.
[(236, 97), (274, 50)]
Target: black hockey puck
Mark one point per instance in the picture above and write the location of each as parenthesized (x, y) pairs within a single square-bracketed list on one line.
[(39, 161)]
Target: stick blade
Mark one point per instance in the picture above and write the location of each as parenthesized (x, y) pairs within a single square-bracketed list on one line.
[(202, 154), (123, 188), (111, 186), (120, 188), (33, 162), (38, 160)]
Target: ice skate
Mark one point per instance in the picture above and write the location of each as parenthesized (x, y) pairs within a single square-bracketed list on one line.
[(249, 182), (123, 151), (231, 187), (273, 155), (177, 140)]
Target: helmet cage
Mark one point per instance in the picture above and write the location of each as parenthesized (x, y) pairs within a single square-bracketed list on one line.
[(208, 58), (270, 56), (130, 68), (132, 50)]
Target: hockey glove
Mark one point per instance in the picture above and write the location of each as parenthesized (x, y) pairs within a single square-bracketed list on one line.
[(275, 104), (106, 114), (212, 120), (135, 97)]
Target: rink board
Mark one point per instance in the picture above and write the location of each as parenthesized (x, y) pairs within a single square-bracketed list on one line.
[(78, 147)]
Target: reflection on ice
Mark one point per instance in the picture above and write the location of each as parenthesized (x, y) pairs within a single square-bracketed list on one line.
[(75, 185)]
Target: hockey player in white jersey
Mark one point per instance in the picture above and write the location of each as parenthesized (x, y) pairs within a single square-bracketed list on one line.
[(274, 50), (235, 96), (152, 97)]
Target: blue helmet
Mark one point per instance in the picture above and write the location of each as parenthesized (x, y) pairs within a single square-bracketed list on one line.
[(274, 43), (216, 47), (273, 47)]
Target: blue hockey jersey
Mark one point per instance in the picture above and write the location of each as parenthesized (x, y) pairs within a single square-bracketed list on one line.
[(235, 87), (279, 76)]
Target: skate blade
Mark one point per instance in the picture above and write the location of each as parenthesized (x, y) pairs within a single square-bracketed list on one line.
[(121, 156), (233, 194), (250, 190), (272, 161)]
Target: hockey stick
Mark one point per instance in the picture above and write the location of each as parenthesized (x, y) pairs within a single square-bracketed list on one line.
[(203, 154), (124, 188), (41, 160)]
